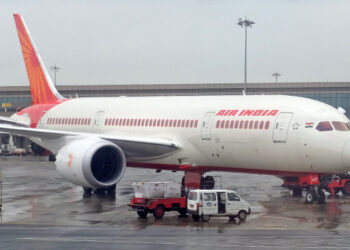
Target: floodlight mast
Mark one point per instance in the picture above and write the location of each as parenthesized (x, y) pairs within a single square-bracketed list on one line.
[(276, 75), (245, 23), (55, 69)]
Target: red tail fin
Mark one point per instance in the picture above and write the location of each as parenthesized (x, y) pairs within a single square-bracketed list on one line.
[(41, 87)]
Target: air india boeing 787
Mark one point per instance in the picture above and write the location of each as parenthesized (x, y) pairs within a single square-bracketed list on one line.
[(94, 139)]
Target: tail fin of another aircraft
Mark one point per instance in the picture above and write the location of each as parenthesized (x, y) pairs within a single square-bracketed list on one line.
[(42, 89)]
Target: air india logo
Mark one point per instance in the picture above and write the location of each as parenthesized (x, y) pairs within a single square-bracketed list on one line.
[(70, 160)]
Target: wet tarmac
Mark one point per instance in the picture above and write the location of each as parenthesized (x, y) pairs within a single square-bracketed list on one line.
[(41, 210)]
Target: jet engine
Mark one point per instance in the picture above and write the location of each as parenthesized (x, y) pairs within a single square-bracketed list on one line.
[(91, 162)]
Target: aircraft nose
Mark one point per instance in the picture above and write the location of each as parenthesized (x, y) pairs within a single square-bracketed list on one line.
[(346, 156)]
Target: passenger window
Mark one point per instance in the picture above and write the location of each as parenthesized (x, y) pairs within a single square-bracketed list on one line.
[(232, 197), (256, 124), (207, 196), (324, 126), (213, 197), (341, 126), (218, 124), (251, 124)]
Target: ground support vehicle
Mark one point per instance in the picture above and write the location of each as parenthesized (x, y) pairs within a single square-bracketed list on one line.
[(205, 204), (315, 185), (340, 183), (157, 198), (158, 206)]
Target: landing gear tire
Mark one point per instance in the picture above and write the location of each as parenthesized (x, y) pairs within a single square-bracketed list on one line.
[(242, 215), (195, 217), (52, 158), (297, 192), (205, 218), (142, 214), (106, 190), (159, 212), (182, 212), (310, 197), (346, 189), (321, 197), (87, 190)]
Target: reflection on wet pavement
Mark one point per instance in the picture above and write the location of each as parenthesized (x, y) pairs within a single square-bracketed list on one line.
[(34, 193)]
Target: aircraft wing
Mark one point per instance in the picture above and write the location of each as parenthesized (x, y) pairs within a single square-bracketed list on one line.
[(54, 140), (8, 120)]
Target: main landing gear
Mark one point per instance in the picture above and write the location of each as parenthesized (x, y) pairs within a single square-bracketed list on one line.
[(107, 190)]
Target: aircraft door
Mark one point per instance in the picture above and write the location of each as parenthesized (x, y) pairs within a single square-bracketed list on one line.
[(98, 121), (210, 203), (280, 130), (206, 125)]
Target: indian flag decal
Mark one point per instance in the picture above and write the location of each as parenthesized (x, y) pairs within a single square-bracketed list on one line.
[(309, 125)]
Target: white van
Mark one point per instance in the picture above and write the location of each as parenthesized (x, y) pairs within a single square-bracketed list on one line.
[(206, 203)]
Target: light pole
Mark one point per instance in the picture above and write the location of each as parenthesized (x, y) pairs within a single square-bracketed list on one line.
[(276, 75), (55, 69), (245, 23)]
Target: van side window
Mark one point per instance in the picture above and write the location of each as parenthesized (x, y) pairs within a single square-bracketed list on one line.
[(232, 197), (207, 196), (213, 197)]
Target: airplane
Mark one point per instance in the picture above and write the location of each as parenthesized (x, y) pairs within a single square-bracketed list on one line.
[(94, 139)]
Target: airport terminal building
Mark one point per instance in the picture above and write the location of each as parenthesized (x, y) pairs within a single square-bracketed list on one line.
[(336, 94)]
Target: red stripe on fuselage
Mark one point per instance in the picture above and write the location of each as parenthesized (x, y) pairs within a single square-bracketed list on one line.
[(217, 168)]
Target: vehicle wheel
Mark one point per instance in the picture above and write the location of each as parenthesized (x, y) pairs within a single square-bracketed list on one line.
[(159, 212), (297, 192), (346, 189), (142, 214), (242, 215), (310, 197), (182, 211), (321, 197), (195, 217), (205, 218)]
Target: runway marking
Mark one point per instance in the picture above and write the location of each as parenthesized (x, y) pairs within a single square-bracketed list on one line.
[(169, 243)]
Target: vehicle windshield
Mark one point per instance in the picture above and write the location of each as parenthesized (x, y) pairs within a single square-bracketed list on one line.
[(192, 196), (324, 126), (341, 126)]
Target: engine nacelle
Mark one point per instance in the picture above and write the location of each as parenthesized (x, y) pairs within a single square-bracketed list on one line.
[(91, 162)]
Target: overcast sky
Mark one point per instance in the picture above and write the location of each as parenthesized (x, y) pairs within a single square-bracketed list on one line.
[(125, 42)]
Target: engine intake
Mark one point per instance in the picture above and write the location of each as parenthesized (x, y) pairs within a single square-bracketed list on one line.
[(91, 162)]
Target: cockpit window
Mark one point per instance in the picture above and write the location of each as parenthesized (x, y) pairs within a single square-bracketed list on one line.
[(324, 126), (341, 126)]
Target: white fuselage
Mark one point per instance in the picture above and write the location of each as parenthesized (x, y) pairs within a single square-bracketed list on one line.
[(289, 143)]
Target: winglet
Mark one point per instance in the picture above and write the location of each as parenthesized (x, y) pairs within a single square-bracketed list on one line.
[(42, 89)]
